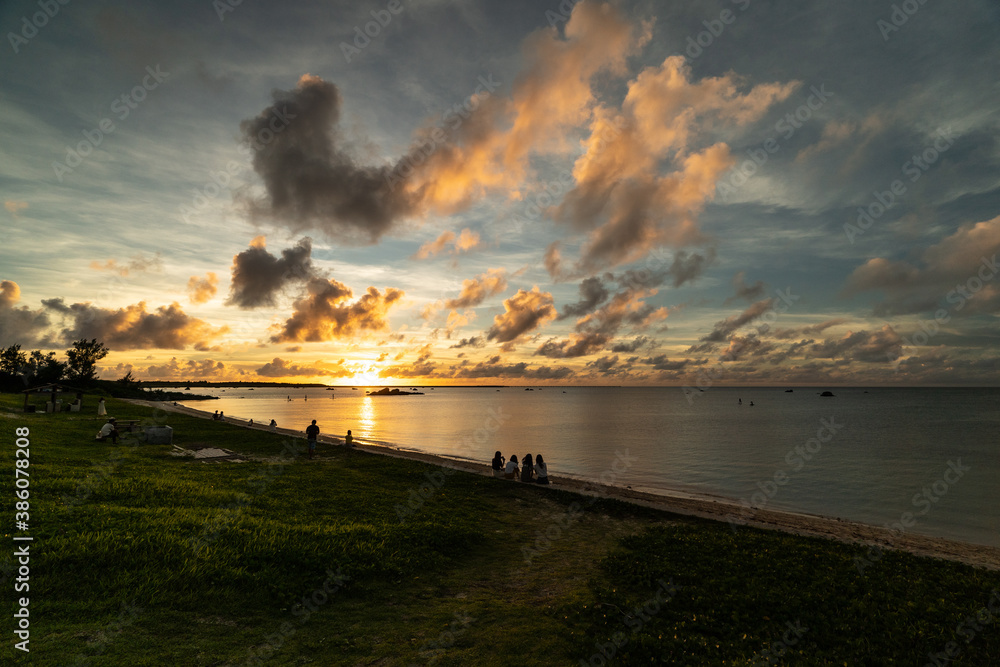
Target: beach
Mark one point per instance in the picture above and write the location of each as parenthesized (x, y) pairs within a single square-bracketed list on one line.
[(719, 509)]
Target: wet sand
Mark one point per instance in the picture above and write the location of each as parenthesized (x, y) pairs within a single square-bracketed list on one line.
[(719, 509)]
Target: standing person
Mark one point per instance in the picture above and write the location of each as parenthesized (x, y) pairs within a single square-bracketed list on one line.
[(511, 470), (527, 468), (541, 470), (498, 462), (101, 410), (312, 432), (349, 439)]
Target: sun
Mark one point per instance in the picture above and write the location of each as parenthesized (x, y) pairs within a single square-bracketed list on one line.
[(368, 376)]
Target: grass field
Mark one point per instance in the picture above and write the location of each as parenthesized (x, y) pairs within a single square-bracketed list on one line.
[(143, 558)]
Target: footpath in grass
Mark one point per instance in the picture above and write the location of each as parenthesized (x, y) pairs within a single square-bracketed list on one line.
[(143, 558)]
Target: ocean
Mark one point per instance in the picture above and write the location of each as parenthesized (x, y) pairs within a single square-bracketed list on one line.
[(924, 458)]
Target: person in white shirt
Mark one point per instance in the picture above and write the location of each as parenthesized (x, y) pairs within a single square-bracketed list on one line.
[(541, 471), (109, 430), (511, 471)]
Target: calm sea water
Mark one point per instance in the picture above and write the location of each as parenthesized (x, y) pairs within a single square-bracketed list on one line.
[(866, 455)]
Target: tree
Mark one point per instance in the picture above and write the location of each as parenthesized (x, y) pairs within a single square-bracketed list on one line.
[(12, 362), (83, 360), (42, 369)]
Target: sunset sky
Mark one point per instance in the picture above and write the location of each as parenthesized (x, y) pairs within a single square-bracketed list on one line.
[(677, 193)]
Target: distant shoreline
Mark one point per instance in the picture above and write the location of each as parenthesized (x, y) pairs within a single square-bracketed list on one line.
[(719, 509)]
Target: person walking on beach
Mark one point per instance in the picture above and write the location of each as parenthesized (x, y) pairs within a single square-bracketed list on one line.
[(527, 468), (511, 470), (348, 439), (498, 462), (541, 470), (312, 432)]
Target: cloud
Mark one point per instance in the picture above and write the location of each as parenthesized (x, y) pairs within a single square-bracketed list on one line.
[(135, 328), (258, 275), (578, 345), (882, 346), (744, 346), (662, 363), (175, 369), (201, 290), (620, 195), (19, 325), (278, 367), (432, 248), (592, 294), (15, 207), (633, 346), (326, 314), (138, 264), (475, 341), (523, 312), (744, 292), (493, 368), (478, 289), (961, 270), (810, 330), (722, 329)]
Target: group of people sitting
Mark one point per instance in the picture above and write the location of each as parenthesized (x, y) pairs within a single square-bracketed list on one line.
[(529, 471)]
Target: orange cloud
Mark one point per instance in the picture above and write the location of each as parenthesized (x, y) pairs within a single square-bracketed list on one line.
[(326, 314), (200, 290), (523, 312), (476, 290)]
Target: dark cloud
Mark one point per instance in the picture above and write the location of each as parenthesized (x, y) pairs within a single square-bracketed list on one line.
[(475, 341), (312, 180), (741, 347), (662, 363), (744, 292), (634, 345), (690, 265), (19, 324), (724, 328), (592, 294), (578, 345), (493, 368), (135, 328), (258, 276), (882, 346), (810, 330)]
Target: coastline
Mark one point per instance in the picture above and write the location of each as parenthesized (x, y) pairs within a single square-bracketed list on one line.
[(719, 509)]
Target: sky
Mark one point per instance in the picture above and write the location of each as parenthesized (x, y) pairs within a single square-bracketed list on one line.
[(431, 192)]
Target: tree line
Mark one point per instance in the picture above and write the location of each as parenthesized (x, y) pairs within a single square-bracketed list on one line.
[(24, 370)]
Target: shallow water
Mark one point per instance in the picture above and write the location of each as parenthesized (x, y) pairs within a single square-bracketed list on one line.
[(883, 452)]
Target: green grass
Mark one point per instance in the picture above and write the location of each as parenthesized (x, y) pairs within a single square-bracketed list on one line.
[(142, 558)]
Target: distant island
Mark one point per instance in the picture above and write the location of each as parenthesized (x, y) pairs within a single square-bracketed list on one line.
[(393, 392)]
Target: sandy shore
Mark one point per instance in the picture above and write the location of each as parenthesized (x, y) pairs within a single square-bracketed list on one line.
[(716, 509)]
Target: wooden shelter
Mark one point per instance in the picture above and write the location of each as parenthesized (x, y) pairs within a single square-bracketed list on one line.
[(54, 390)]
